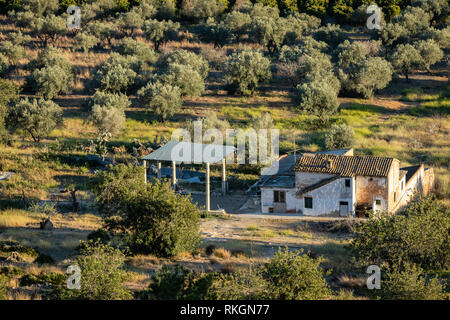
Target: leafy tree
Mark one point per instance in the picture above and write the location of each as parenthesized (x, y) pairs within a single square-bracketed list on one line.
[(118, 73), (375, 73), (405, 59), (270, 32), (163, 99), (156, 220), (160, 32), (38, 117), (131, 21), (108, 111), (48, 29), (216, 33), (414, 20), (4, 65), (131, 47), (265, 121), (102, 274), (85, 41), (437, 8), (340, 136), (409, 283), (317, 8), (101, 30), (342, 9), (238, 23), (318, 98), (188, 58), (200, 10), (419, 235), (392, 34), (287, 6), (330, 34), (13, 52), (50, 81), (430, 53), (52, 56), (246, 68), (184, 77), (9, 93), (18, 38)]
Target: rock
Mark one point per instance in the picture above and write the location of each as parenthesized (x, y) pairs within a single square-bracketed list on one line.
[(47, 224), (14, 257)]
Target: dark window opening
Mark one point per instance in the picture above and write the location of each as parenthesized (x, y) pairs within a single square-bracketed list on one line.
[(378, 202), (279, 196), (347, 183), (343, 203), (308, 202)]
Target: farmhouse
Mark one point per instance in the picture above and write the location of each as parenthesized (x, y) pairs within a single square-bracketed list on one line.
[(339, 183)]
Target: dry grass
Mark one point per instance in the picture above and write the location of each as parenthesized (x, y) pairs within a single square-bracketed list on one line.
[(13, 218), (221, 253), (352, 282)]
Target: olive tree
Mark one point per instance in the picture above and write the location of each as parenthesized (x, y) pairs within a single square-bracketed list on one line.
[(117, 73), (108, 111), (238, 23), (405, 59), (188, 58), (13, 52), (131, 47), (318, 98), (429, 52), (48, 29), (200, 10), (85, 41), (37, 117), (160, 32), (102, 30), (162, 99), (130, 22), (184, 77), (245, 69), (50, 81), (339, 136)]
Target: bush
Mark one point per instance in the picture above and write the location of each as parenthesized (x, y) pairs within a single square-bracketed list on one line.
[(100, 235), (429, 52), (340, 136), (102, 274), (296, 276), (163, 99), (13, 52), (409, 283), (419, 235), (44, 259), (245, 70), (238, 23), (37, 117), (330, 34), (157, 220), (3, 286), (177, 283), (48, 29)]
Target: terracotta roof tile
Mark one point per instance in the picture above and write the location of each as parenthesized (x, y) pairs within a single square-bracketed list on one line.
[(347, 166)]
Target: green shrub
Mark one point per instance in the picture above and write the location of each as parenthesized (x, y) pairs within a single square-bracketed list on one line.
[(296, 276), (162, 99), (118, 73), (160, 32), (340, 136), (44, 259), (50, 278), (177, 283), (156, 220), (99, 235), (186, 58), (14, 246), (102, 274), (184, 77), (3, 286), (419, 235), (409, 283)]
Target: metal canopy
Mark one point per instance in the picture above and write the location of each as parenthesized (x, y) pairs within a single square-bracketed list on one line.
[(189, 152)]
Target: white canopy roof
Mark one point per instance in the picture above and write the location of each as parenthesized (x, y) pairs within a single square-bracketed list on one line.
[(189, 152)]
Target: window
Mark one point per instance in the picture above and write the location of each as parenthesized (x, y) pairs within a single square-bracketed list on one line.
[(279, 196), (378, 202), (347, 183), (308, 203)]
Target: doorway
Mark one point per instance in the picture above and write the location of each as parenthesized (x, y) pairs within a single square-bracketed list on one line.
[(343, 208)]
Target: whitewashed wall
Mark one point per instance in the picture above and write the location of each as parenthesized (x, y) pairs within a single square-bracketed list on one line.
[(267, 198)]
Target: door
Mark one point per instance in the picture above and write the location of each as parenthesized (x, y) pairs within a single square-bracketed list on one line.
[(343, 208)]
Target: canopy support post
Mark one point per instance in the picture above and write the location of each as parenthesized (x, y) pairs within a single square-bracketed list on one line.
[(159, 170), (224, 177), (208, 203), (174, 174)]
